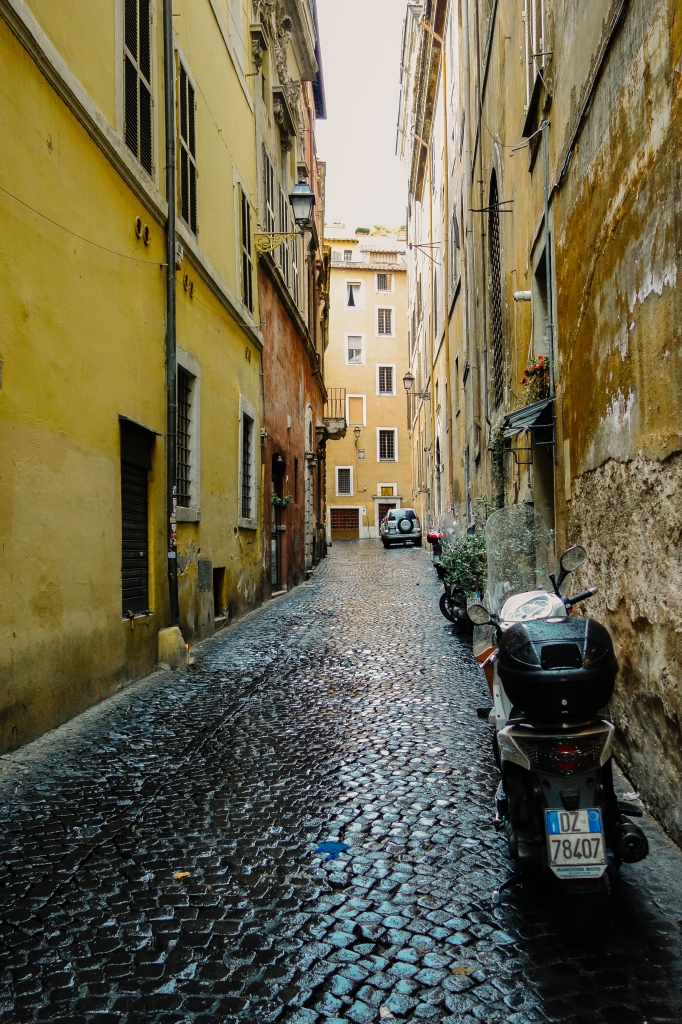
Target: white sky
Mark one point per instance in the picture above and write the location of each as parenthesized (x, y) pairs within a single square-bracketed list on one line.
[(360, 47)]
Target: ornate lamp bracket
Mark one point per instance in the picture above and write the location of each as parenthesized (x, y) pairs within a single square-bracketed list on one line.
[(268, 241)]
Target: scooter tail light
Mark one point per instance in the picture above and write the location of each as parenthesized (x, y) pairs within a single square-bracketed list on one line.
[(567, 755)]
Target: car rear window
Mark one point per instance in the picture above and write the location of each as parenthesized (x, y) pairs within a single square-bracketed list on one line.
[(405, 513)]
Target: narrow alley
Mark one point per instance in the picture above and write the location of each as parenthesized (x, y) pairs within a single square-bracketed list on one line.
[(161, 857)]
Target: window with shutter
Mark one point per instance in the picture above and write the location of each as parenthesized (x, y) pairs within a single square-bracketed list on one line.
[(385, 380), (137, 75), (188, 152), (355, 349), (136, 447), (385, 321), (269, 174), (356, 411), (247, 258)]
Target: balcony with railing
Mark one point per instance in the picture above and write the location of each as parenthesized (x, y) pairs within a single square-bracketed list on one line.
[(335, 413)]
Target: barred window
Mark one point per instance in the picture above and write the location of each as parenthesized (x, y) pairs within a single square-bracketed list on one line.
[(384, 282), (188, 152), (385, 321), (247, 481), (348, 255), (183, 438), (385, 380), (387, 446), (497, 362), (137, 61), (247, 259), (343, 481)]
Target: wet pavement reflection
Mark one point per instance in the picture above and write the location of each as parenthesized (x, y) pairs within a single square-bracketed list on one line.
[(299, 828)]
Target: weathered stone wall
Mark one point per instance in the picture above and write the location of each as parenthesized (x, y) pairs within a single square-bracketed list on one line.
[(619, 315), (629, 517)]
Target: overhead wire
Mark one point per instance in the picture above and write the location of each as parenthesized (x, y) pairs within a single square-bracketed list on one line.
[(70, 231)]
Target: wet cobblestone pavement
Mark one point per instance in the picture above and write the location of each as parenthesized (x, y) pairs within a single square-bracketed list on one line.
[(160, 857)]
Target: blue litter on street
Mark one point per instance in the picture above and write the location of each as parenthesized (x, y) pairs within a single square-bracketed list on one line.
[(332, 848)]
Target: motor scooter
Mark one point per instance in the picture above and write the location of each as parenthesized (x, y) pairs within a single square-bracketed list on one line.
[(449, 530), (551, 675)]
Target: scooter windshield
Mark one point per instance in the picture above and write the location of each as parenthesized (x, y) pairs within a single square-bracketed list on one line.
[(520, 554)]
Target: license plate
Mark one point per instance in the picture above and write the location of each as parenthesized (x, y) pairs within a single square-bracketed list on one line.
[(575, 843)]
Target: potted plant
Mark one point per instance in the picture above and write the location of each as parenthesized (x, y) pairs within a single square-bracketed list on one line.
[(535, 380), (281, 502)]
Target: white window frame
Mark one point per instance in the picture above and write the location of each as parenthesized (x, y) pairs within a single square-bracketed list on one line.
[(245, 408), (191, 365), (376, 321), (339, 494), (384, 291), (347, 255), (387, 483), (360, 294), (351, 334), (183, 63), (392, 366), (395, 443), (535, 32), (364, 410)]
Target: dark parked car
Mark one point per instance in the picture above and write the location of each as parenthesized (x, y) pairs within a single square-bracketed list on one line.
[(401, 526)]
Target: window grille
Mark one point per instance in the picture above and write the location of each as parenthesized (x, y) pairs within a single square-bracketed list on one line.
[(188, 152), (137, 76), (383, 257), (336, 256), (348, 255), (387, 446), (343, 480), (385, 380), (497, 363), (354, 349), (247, 443), (184, 385), (384, 321), (247, 259), (384, 282), (269, 175), (353, 294)]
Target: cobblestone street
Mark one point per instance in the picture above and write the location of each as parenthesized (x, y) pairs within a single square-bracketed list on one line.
[(160, 853)]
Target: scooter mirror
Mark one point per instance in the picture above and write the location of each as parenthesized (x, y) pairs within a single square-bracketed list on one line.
[(573, 558), (479, 614)]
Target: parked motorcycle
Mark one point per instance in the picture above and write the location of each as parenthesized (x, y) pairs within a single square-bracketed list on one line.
[(550, 674)]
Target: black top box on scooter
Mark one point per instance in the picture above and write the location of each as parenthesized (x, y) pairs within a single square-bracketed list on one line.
[(557, 671)]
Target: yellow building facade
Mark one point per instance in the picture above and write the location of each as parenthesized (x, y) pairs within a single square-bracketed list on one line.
[(368, 471), (84, 427)]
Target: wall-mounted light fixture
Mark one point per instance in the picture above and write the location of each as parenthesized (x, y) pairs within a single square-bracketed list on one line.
[(408, 381), (302, 199)]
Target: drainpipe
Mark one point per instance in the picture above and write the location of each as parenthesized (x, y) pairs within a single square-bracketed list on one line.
[(484, 282), (548, 261), (171, 340), (446, 266)]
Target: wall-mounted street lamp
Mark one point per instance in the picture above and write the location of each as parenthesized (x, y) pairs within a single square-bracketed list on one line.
[(302, 199), (408, 382), (356, 431)]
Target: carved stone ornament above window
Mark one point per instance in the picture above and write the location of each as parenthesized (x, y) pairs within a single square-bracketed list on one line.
[(284, 116)]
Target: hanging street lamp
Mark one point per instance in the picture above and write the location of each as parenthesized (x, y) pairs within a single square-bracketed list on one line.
[(302, 200)]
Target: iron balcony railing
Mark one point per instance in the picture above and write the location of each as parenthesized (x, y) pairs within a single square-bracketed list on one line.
[(335, 406)]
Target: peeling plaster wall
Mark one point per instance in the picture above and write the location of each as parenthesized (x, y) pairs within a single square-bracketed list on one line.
[(619, 315), (629, 516)]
